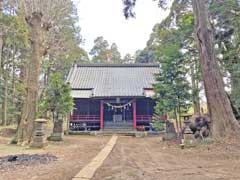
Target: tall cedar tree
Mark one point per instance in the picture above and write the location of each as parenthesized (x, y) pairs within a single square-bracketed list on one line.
[(224, 124)]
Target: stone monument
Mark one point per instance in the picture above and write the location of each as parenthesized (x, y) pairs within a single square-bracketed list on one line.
[(57, 134), (170, 131)]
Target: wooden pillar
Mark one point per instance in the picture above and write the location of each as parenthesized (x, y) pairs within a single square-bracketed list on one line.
[(101, 114), (134, 114)]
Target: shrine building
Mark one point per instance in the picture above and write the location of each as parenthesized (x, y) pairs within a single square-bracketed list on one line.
[(112, 96)]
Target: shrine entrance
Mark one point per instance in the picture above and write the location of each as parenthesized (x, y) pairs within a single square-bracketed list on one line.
[(118, 113)]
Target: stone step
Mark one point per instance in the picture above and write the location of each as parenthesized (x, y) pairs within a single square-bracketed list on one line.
[(119, 132), (118, 123), (117, 127)]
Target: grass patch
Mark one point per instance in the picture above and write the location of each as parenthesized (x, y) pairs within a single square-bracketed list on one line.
[(10, 149), (14, 126), (205, 141)]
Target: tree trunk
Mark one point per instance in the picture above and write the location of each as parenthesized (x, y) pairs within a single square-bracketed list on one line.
[(235, 84), (13, 102), (1, 36), (4, 103), (195, 92), (224, 124), (179, 115), (177, 125), (25, 128)]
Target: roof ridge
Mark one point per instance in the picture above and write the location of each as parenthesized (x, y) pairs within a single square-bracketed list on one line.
[(119, 65)]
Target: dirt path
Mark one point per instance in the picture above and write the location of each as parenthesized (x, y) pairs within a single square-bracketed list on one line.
[(150, 159), (87, 172), (72, 155)]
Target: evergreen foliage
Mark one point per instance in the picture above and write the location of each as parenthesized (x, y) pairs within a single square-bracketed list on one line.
[(102, 53), (173, 89), (57, 97), (171, 44), (99, 51)]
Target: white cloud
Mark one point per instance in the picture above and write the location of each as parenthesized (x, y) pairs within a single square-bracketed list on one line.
[(105, 18)]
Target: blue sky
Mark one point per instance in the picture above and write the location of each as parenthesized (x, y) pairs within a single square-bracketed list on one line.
[(105, 18)]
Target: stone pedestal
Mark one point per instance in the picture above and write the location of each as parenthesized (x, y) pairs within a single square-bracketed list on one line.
[(57, 134), (140, 134), (170, 131), (188, 138), (39, 139)]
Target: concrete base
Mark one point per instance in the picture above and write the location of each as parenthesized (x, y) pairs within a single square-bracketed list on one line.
[(118, 132), (56, 137), (189, 140), (169, 136), (38, 144), (141, 134)]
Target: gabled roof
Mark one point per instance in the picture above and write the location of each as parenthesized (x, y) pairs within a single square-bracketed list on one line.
[(112, 80)]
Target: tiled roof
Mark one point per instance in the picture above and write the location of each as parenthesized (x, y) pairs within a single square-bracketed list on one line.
[(106, 80)]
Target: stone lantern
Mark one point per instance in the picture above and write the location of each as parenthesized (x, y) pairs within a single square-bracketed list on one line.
[(39, 140), (188, 138), (186, 119)]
